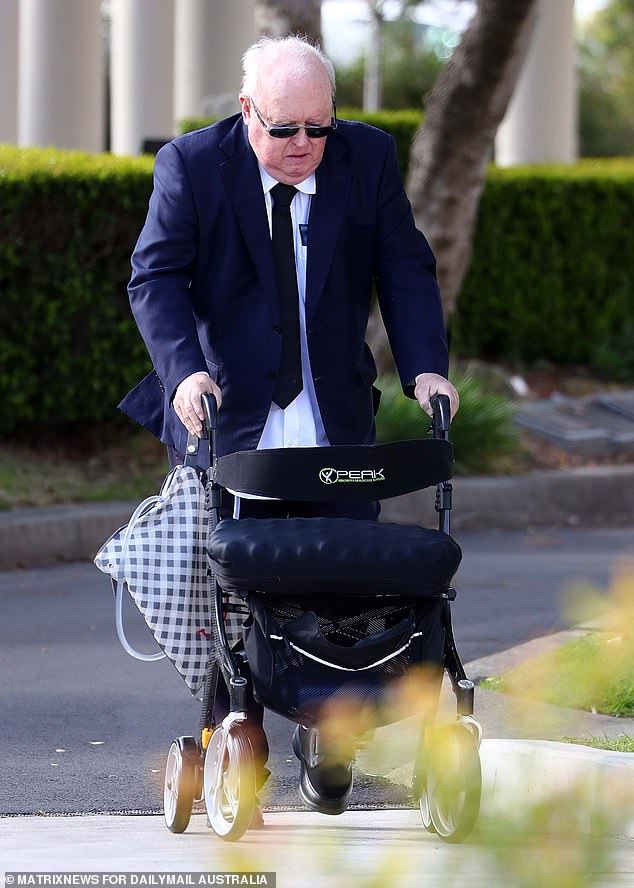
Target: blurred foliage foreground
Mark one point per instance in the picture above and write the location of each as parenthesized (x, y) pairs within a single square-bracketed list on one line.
[(535, 829), (594, 672)]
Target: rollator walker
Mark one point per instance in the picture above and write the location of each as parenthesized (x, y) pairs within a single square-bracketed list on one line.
[(328, 609)]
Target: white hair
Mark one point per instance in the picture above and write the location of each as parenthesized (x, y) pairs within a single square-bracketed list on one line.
[(297, 52)]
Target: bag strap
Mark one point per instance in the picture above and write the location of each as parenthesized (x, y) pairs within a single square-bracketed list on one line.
[(197, 453), (119, 584)]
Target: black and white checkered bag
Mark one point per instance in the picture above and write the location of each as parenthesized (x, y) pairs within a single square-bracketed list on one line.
[(161, 557)]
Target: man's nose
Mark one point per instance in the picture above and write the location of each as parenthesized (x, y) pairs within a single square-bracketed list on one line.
[(300, 137)]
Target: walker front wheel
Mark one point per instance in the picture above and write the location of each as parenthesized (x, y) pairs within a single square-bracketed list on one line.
[(453, 784), (229, 782), (179, 788)]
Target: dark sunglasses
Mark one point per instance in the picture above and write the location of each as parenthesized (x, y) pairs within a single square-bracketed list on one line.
[(287, 132)]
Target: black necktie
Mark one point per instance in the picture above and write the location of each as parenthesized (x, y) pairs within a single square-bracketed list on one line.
[(289, 378)]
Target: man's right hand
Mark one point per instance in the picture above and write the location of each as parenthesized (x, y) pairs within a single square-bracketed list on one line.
[(187, 403)]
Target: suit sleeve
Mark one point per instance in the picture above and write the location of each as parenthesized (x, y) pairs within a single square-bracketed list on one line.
[(405, 275), (162, 266)]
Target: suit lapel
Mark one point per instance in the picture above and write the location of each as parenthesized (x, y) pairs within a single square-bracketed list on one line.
[(327, 212), (241, 176)]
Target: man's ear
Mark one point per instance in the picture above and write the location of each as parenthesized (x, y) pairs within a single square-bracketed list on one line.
[(245, 107)]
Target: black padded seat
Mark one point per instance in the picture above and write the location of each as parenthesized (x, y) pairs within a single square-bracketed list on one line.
[(334, 555)]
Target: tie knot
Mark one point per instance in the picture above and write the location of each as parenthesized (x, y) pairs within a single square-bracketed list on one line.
[(283, 194)]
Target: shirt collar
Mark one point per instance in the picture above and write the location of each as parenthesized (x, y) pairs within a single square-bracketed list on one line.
[(308, 186)]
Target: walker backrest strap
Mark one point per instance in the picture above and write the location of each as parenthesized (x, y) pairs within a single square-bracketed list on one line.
[(339, 473)]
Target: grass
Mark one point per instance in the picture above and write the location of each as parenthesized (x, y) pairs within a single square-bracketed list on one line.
[(113, 466), (624, 743), (594, 673)]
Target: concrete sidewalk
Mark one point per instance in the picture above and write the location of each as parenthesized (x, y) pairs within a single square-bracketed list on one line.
[(600, 496), (359, 849)]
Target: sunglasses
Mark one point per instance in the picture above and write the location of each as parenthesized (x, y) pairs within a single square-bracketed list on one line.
[(287, 132)]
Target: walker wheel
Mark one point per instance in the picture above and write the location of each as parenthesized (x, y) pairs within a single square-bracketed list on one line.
[(425, 814), (419, 784), (229, 782), (450, 801), (179, 789)]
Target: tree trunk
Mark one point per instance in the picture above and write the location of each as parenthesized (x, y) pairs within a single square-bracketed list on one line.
[(452, 148), (279, 18)]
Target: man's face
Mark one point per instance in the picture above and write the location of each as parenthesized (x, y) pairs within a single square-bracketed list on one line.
[(286, 102)]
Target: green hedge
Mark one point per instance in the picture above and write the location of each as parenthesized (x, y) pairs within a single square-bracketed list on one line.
[(400, 124), (69, 348), (552, 270), (551, 278)]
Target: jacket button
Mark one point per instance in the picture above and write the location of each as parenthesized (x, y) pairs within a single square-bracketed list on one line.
[(277, 328), (271, 376)]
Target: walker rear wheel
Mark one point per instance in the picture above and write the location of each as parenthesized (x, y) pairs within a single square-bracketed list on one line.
[(179, 788), (453, 783), (229, 782)]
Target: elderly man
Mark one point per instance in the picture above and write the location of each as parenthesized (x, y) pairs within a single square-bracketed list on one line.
[(252, 280)]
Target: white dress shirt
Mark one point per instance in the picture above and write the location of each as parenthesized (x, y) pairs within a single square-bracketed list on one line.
[(299, 424)]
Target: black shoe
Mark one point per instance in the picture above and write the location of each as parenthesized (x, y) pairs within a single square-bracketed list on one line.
[(325, 783)]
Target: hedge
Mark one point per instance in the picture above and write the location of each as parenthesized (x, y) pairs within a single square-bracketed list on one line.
[(552, 269), (551, 277), (69, 347)]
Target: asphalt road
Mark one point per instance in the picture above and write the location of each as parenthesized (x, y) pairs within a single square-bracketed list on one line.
[(86, 728)]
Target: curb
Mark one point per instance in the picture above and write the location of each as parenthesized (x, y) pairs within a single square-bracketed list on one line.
[(587, 786), (583, 787), (601, 495), (35, 537)]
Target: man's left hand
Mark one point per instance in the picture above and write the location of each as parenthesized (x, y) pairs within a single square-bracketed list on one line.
[(429, 384)]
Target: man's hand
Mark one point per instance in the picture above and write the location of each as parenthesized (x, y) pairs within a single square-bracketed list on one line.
[(429, 384), (187, 403)]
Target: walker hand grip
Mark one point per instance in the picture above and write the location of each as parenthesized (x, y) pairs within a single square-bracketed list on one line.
[(210, 408), (441, 417)]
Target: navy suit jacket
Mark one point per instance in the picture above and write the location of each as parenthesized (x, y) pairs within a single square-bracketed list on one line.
[(204, 296)]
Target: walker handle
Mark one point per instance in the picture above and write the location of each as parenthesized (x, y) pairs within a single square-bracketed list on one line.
[(441, 417), (210, 408)]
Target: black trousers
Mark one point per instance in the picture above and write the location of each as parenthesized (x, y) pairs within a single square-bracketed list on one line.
[(249, 508)]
